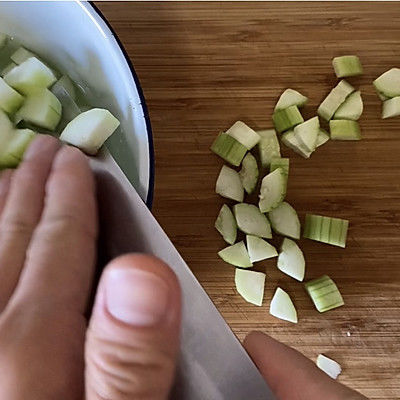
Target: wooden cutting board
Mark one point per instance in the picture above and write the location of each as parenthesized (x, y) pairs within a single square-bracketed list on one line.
[(205, 65)]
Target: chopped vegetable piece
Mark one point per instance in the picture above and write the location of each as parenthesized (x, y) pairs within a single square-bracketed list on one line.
[(249, 173), (236, 255), (8, 68), (382, 96), (69, 107), (244, 134), (65, 83), (10, 99), (282, 306), (229, 149), (273, 190), (389, 83), (323, 137), (324, 294), (287, 119), (326, 229), (21, 55), (259, 249), (250, 285), (5, 125), (30, 74), (284, 221), (97, 124), (289, 98), (250, 220), (329, 366), (229, 184), (280, 163), (391, 108), (225, 224), (347, 66), (291, 260), (268, 146), (3, 39), (335, 98), (342, 129), (307, 133), (42, 109), (290, 140), (352, 107)]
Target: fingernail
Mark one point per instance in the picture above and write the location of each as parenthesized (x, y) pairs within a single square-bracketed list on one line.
[(41, 144), (136, 297)]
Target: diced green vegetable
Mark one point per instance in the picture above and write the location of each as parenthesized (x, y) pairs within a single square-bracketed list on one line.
[(342, 129), (280, 163), (388, 83), (335, 98), (391, 108), (347, 66), (21, 55), (7, 69), (5, 125), (236, 255), (284, 221), (289, 98), (243, 134), (282, 306), (290, 140), (259, 249), (10, 99), (382, 96), (229, 184), (352, 107), (291, 260), (226, 224), (326, 229), (307, 133), (250, 220), (249, 173), (324, 294), (65, 83), (329, 366), (268, 146), (273, 190), (250, 285), (287, 119), (32, 73), (42, 109), (98, 125), (323, 137), (229, 149)]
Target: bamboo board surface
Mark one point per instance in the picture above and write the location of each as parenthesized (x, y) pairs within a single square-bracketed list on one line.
[(203, 66)]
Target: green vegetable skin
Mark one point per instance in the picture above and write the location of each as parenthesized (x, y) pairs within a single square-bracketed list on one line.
[(347, 66), (287, 119), (344, 129), (280, 163), (229, 149), (326, 229), (324, 294)]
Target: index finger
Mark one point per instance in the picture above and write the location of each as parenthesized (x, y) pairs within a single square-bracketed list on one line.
[(60, 259)]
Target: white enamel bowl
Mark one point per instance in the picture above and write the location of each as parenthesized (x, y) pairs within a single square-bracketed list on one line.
[(74, 37)]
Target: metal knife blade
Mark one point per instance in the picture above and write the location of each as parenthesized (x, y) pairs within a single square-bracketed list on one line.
[(213, 364)]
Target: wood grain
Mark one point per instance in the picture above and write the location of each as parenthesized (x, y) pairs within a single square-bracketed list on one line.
[(205, 65)]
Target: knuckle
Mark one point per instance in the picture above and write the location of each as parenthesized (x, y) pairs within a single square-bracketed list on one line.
[(126, 371)]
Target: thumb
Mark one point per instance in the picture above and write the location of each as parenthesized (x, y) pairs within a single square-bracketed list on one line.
[(133, 335)]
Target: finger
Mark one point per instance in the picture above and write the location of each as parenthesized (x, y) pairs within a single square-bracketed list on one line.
[(133, 337), (291, 375), (22, 211), (61, 255), (5, 180)]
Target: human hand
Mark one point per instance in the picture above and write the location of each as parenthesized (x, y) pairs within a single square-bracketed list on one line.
[(48, 229)]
